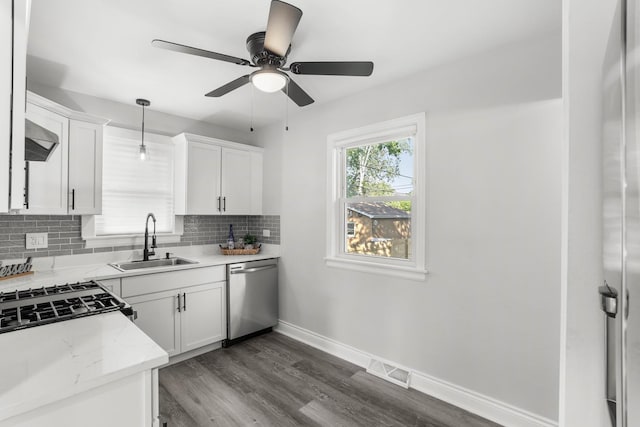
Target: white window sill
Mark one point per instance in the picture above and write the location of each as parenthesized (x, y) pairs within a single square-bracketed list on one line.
[(410, 273), (128, 240), (93, 241)]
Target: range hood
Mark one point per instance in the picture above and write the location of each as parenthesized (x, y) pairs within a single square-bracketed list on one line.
[(39, 142)]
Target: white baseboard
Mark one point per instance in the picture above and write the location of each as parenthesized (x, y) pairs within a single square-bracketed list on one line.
[(476, 403)]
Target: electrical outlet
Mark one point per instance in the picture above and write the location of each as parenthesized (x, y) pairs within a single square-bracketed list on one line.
[(36, 240), (266, 233)]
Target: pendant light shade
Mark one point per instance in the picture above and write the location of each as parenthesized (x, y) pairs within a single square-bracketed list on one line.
[(143, 148), (143, 152)]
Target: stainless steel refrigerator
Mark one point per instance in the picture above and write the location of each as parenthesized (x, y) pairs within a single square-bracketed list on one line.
[(620, 293)]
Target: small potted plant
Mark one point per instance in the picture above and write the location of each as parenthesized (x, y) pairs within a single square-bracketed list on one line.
[(249, 241)]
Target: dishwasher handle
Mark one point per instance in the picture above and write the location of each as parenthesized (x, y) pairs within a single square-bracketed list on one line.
[(252, 270)]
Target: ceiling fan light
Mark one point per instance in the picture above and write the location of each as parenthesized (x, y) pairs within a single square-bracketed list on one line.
[(269, 80)]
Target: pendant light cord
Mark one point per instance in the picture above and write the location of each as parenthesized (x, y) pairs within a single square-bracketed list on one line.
[(142, 139), (143, 149)]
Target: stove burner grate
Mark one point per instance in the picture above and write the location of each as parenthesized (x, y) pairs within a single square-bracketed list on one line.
[(32, 307)]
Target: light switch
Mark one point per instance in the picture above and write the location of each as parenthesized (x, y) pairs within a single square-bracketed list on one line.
[(37, 240), (266, 233)]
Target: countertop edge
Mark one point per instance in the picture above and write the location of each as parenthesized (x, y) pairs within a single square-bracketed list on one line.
[(229, 259), (52, 394)]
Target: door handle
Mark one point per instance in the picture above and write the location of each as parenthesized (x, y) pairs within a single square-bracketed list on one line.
[(218, 203), (26, 185), (224, 204), (73, 199), (253, 270), (179, 304), (184, 301)]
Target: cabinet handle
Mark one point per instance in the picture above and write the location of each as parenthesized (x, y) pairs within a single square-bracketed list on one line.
[(184, 301), (179, 304), (218, 203), (26, 185), (73, 199), (224, 204)]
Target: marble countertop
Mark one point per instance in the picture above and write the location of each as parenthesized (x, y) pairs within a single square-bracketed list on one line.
[(76, 268), (48, 363)]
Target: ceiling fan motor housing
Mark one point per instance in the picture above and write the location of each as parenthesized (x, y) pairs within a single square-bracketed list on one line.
[(261, 56)]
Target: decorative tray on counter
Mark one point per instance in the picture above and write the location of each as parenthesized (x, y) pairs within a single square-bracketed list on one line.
[(226, 251)]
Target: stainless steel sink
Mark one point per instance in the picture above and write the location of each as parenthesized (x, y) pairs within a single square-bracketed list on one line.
[(152, 263)]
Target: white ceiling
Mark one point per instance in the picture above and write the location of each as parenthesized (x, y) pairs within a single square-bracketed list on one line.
[(103, 47)]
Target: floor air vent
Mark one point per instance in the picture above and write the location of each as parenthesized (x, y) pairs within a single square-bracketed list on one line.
[(391, 373)]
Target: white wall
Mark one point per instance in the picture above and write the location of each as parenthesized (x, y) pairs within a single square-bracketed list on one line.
[(487, 317), (586, 31), (130, 116)]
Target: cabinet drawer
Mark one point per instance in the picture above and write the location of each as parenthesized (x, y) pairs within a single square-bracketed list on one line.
[(158, 282)]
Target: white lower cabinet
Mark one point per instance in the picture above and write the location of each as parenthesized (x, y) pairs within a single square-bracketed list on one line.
[(199, 324), (188, 312), (158, 317), (133, 399)]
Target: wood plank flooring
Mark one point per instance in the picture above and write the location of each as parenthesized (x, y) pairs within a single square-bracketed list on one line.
[(272, 380)]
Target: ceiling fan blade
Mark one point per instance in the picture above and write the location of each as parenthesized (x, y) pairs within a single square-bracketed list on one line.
[(232, 85), (282, 23), (296, 94), (362, 68), (162, 44)]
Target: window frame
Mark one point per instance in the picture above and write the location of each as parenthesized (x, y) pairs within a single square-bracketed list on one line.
[(337, 144), (92, 240)]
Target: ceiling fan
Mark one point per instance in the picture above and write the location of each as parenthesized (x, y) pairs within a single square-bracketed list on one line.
[(269, 51)]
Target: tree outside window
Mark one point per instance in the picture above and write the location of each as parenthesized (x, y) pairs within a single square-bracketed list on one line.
[(378, 188)]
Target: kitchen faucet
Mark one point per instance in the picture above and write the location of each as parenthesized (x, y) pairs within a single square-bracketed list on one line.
[(147, 252)]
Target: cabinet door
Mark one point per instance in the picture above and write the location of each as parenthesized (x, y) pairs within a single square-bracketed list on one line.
[(47, 181), (158, 317), (6, 64), (203, 179), (21, 11), (241, 171), (85, 168), (203, 317)]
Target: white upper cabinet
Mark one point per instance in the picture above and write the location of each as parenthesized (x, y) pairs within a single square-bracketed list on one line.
[(6, 87), (46, 182), (217, 177), (241, 182), (85, 167), (14, 23), (203, 196), (70, 181)]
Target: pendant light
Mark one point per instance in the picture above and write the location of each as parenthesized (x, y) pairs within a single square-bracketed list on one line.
[(143, 148)]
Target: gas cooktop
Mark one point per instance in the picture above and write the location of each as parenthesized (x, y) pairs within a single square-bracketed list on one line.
[(34, 307)]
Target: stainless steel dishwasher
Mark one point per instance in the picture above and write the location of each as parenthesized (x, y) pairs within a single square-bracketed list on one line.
[(252, 299)]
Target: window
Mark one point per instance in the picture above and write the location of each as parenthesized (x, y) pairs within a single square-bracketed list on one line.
[(376, 205), (351, 229), (132, 188)]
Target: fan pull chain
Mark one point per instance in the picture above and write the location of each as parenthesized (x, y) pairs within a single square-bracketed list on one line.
[(252, 102), (286, 109)]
